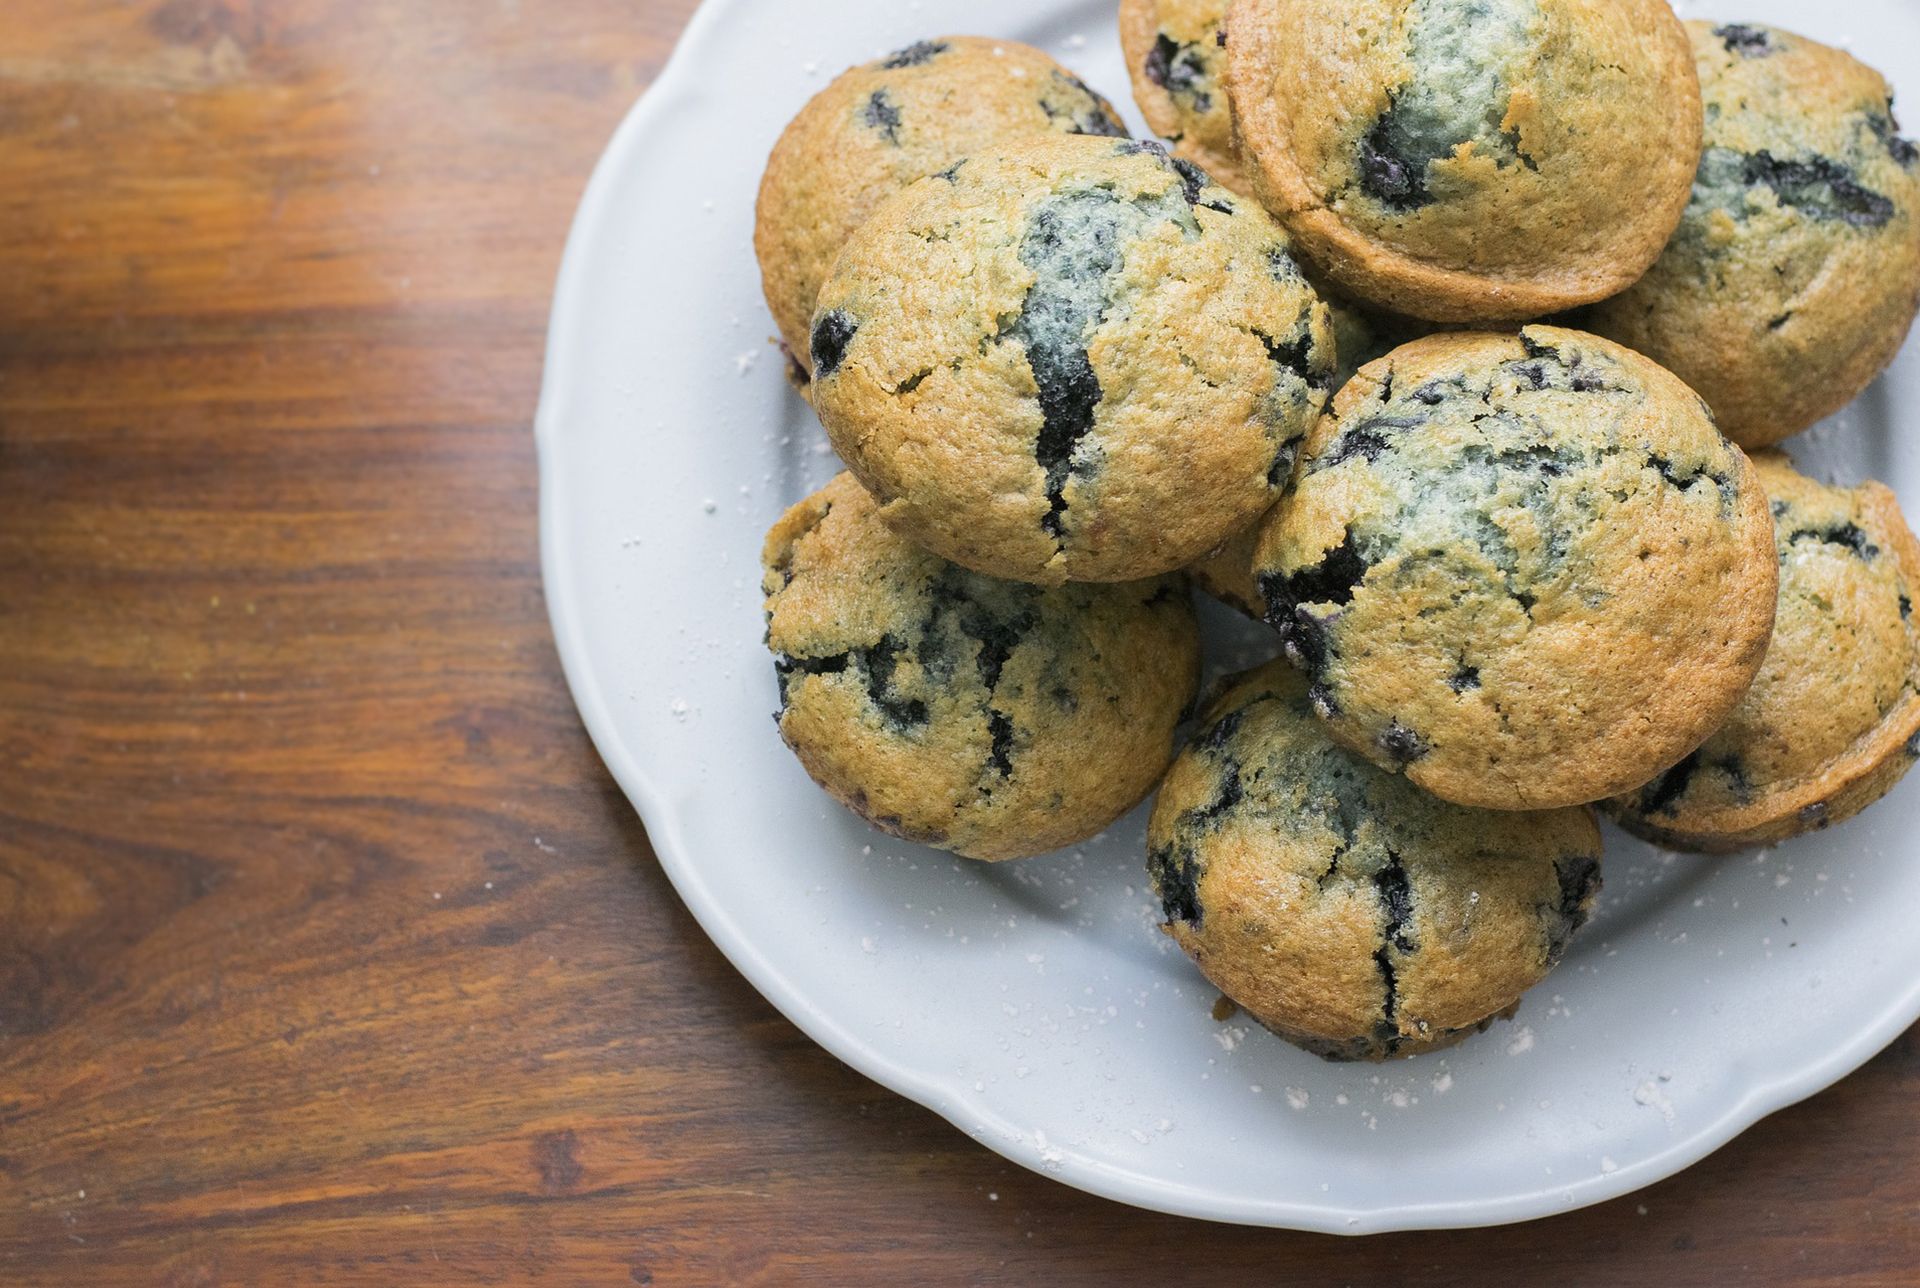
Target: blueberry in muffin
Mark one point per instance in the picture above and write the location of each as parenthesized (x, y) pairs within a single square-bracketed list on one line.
[(1070, 359), (879, 127), (994, 719), (1339, 905), (1176, 53), (1525, 571), (1794, 276), (1468, 160), (1832, 721)]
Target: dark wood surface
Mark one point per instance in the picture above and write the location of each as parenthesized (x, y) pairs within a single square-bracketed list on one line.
[(329, 953)]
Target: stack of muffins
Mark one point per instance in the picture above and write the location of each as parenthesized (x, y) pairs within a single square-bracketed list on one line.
[(1433, 338)]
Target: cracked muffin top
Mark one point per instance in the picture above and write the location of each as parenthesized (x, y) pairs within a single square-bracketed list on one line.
[(1073, 359), (1832, 721), (1468, 160), (1795, 273), (994, 719), (1176, 53), (1339, 905), (879, 127), (1526, 571)]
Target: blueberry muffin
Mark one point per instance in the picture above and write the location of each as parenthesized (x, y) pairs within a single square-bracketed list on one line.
[(879, 127), (1524, 570), (1339, 905), (994, 719), (1795, 274), (1176, 53), (1833, 719), (1070, 359), (1468, 160)]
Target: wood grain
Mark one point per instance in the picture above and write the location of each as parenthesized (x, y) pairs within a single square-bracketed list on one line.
[(328, 952)]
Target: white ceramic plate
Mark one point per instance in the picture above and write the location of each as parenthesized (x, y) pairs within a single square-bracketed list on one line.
[(1034, 1004)]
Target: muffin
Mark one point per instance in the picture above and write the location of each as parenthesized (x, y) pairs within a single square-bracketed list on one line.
[(1071, 359), (1832, 721), (1500, 159), (1176, 53), (994, 719), (1339, 905), (1794, 276), (1526, 571), (879, 127)]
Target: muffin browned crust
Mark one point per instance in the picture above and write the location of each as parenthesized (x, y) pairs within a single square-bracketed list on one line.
[(990, 718), (1794, 276), (1526, 571), (1070, 359), (1496, 160), (879, 127), (1339, 905), (1176, 53), (1832, 721)]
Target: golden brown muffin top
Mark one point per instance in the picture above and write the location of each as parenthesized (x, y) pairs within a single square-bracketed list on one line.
[(1469, 161), (1340, 905), (1524, 570), (1833, 719), (1070, 359), (880, 126), (991, 718)]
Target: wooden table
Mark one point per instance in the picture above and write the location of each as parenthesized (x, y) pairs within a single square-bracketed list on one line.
[(329, 953)]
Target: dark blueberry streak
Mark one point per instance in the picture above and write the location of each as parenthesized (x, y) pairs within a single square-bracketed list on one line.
[(1223, 730), (1748, 42), (1389, 172), (1180, 70), (879, 662), (1887, 130), (1175, 869), (1579, 882), (832, 333), (1193, 183), (1298, 356), (1536, 348), (1821, 188), (1073, 247), (1366, 440), (882, 114), (1000, 759), (1682, 478), (785, 668), (1396, 904), (1331, 581), (1402, 745), (1084, 111), (1281, 265), (919, 52), (1847, 535), (1176, 875), (1663, 793), (876, 663)]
